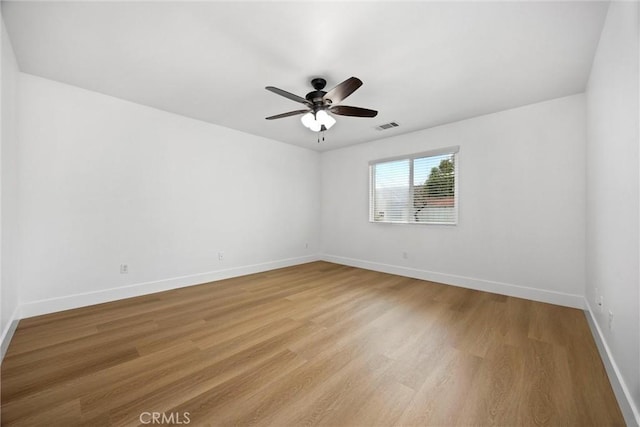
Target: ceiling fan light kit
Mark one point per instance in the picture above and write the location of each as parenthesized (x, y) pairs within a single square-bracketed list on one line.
[(320, 103), (316, 121)]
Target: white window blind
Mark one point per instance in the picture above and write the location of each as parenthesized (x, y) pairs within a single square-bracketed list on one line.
[(420, 189)]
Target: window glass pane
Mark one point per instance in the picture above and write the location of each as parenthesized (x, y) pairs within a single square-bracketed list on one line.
[(420, 188), (434, 189), (391, 197)]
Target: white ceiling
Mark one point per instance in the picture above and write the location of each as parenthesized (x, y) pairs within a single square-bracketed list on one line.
[(422, 63)]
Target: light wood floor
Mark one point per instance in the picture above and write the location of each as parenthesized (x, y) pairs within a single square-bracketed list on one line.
[(317, 344)]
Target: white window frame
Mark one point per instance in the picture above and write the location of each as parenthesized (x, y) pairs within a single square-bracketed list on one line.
[(454, 151)]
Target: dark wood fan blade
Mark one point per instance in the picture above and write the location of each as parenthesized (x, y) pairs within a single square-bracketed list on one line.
[(344, 89), (345, 110), (287, 95), (290, 113)]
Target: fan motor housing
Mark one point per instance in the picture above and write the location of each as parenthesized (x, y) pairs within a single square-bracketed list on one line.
[(316, 96)]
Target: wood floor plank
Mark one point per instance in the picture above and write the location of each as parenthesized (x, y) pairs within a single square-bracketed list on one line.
[(203, 405), (314, 344), (448, 386), (308, 380), (494, 401), (338, 396), (101, 381), (382, 406), (63, 415)]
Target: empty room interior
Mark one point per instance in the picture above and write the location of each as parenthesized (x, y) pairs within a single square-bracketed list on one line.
[(337, 213)]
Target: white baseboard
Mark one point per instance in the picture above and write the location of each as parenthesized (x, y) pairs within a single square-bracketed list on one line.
[(7, 334), (52, 305), (630, 411), (541, 295)]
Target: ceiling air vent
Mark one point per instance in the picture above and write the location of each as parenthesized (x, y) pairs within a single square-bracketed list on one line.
[(386, 126)]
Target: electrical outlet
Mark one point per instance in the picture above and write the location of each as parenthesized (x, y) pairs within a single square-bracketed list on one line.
[(124, 269), (610, 320), (220, 256)]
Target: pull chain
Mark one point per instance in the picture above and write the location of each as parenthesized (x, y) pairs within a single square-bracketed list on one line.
[(322, 131)]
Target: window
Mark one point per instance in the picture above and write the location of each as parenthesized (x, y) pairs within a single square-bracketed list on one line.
[(420, 189)]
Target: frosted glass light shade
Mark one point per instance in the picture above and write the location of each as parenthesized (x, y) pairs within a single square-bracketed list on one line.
[(315, 122), (325, 119), (307, 120)]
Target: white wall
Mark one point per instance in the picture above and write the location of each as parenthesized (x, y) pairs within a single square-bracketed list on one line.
[(9, 191), (105, 182), (522, 197), (613, 192)]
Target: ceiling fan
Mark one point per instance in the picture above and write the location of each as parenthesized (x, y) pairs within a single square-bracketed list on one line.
[(320, 103)]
